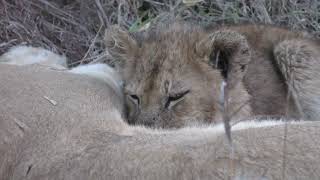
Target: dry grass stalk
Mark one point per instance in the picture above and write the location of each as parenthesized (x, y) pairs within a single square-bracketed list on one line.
[(69, 26)]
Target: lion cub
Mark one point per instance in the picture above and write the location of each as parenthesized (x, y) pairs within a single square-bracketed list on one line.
[(174, 73)]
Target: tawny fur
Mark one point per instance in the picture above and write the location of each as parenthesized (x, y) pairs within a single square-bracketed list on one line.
[(23, 55), (176, 60), (285, 61), (176, 57), (84, 137)]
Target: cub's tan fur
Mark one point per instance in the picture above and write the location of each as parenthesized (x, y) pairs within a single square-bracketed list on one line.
[(184, 65), (282, 59)]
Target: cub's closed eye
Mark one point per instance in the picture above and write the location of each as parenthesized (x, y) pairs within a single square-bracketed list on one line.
[(134, 98), (178, 96), (175, 98)]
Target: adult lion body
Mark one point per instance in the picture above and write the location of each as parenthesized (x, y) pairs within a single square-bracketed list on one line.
[(58, 125)]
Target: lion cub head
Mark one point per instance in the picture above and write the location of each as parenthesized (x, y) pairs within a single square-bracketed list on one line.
[(173, 74)]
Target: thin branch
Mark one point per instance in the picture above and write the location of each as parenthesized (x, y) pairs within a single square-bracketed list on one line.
[(224, 104), (284, 149), (102, 12), (91, 45)]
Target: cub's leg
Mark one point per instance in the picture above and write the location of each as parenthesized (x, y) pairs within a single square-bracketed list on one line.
[(299, 63)]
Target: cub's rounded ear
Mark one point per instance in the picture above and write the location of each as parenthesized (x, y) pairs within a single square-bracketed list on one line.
[(120, 44), (228, 51)]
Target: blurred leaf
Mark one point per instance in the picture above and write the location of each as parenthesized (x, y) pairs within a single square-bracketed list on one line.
[(142, 22)]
